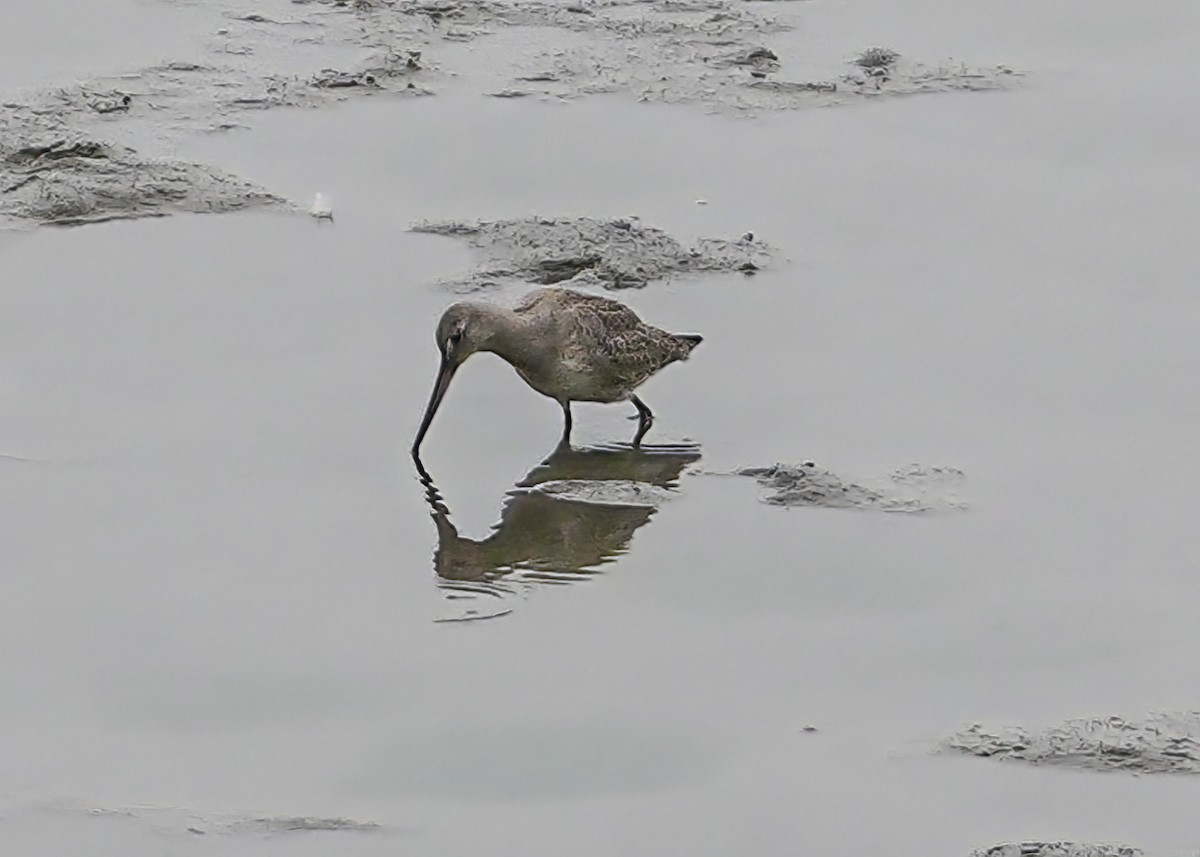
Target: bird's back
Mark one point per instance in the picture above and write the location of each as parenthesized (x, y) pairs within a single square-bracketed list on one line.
[(604, 348)]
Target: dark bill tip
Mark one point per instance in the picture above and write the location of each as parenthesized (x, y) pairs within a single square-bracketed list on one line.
[(445, 373)]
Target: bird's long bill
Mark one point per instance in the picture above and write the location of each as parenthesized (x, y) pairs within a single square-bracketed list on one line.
[(445, 373)]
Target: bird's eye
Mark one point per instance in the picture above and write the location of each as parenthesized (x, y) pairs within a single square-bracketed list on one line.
[(456, 337)]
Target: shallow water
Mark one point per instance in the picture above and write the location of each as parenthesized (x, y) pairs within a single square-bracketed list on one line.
[(36, 48), (219, 595)]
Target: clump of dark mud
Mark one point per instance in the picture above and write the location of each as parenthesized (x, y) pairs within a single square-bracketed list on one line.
[(876, 58), (758, 61), (618, 253), (315, 90), (1162, 743), (807, 485), (915, 488), (83, 181), (296, 823), (883, 71), (390, 65), (1058, 849)]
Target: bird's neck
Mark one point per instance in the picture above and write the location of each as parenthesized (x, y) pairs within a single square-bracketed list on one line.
[(513, 338)]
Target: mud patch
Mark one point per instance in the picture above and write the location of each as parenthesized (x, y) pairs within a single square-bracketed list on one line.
[(160, 102), (298, 823), (60, 182), (187, 821), (883, 71), (307, 54), (1058, 849), (188, 95), (87, 152), (580, 251), (605, 492), (1162, 743), (464, 20), (705, 70), (711, 53), (915, 488)]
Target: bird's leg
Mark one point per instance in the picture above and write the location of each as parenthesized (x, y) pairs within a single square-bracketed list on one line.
[(645, 420), (566, 435)]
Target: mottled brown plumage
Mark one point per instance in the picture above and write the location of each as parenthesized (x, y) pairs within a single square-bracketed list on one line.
[(570, 346)]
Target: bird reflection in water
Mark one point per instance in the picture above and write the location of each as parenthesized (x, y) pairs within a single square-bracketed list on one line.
[(550, 536)]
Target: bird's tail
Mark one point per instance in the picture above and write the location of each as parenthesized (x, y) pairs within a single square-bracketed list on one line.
[(688, 341)]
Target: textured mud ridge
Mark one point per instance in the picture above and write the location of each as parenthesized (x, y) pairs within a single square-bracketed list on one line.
[(85, 181), (180, 96), (464, 20), (86, 152), (712, 53), (295, 823), (710, 73), (187, 822), (619, 253), (279, 53), (1162, 743), (1058, 849), (915, 488)]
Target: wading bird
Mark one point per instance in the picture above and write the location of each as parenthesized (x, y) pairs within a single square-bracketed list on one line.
[(570, 346)]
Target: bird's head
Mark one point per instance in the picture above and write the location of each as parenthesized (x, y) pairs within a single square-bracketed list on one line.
[(462, 330), (460, 333)]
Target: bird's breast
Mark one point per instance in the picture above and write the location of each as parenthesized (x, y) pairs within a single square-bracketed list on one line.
[(569, 378)]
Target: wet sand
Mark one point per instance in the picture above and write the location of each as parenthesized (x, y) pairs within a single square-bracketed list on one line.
[(218, 616)]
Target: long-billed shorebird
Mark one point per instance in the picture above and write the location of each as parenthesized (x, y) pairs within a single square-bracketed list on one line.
[(570, 346)]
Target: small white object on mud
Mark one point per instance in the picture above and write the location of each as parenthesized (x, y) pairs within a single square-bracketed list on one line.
[(322, 207), (702, 202)]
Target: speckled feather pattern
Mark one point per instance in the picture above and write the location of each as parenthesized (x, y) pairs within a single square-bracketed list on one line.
[(603, 349)]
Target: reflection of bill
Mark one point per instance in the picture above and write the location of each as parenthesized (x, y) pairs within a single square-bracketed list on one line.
[(555, 537)]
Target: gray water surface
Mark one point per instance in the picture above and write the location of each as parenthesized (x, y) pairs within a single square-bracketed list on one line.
[(219, 602)]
